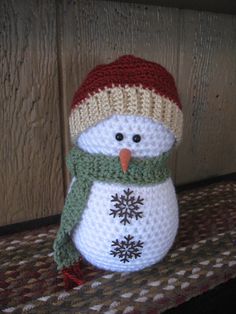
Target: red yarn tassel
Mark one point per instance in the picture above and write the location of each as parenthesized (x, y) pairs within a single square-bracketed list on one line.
[(73, 276)]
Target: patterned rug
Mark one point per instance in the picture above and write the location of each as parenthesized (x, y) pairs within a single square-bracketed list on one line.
[(203, 256)]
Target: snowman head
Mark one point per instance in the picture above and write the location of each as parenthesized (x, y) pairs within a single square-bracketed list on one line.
[(127, 136), (130, 106), (142, 136)]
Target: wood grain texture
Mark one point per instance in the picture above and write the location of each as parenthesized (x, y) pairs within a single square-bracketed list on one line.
[(94, 32), (197, 48), (31, 182), (207, 78), (219, 6), (46, 50)]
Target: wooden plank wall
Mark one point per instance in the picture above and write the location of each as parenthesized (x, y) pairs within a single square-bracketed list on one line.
[(31, 180), (46, 49)]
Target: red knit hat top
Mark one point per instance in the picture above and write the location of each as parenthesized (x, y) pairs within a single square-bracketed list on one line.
[(132, 71), (129, 85)]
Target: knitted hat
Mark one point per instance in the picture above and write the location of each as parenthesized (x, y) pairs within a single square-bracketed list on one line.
[(129, 85)]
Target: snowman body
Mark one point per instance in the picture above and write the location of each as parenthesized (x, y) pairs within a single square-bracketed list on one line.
[(127, 227), (122, 212), (127, 240)]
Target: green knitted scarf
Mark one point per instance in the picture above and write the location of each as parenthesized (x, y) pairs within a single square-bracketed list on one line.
[(88, 168)]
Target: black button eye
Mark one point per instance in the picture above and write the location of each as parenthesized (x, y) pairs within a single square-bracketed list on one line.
[(136, 138), (119, 136)]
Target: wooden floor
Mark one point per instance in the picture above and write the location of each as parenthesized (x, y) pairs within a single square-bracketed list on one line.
[(220, 300)]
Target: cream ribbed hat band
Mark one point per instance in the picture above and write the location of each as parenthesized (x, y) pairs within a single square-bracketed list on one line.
[(128, 85)]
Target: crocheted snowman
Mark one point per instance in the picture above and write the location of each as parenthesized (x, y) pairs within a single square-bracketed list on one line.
[(121, 211)]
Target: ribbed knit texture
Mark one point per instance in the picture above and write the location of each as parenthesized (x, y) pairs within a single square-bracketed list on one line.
[(88, 168), (128, 85), (132, 71)]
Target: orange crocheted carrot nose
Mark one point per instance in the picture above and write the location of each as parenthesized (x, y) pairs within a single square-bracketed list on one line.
[(125, 156)]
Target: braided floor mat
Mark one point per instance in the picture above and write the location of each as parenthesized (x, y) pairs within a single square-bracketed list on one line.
[(203, 256)]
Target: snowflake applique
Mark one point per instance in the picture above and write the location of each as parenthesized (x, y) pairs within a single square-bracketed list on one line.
[(126, 207), (126, 249)]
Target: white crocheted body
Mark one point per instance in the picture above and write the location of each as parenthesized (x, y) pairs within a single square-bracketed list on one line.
[(149, 231), (156, 229)]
